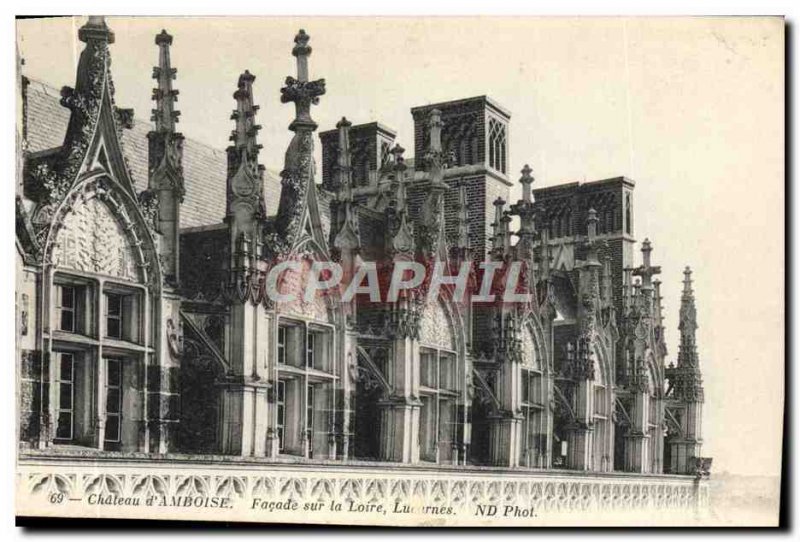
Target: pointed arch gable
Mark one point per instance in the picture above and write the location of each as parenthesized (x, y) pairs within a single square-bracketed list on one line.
[(101, 218), (437, 327), (327, 308), (534, 344)]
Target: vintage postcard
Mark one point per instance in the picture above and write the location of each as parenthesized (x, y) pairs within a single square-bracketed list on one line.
[(452, 271)]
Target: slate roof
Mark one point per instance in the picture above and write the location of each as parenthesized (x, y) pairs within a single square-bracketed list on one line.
[(205, 168)]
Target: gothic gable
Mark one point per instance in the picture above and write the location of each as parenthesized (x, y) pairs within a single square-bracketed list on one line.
[(530, 357), (92, 240), (293, 282), (435, 327)]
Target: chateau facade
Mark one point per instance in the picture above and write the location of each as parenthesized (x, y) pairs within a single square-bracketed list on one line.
[(145, 324)]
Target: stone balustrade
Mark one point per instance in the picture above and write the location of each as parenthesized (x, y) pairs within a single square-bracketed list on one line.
[(224, 489)]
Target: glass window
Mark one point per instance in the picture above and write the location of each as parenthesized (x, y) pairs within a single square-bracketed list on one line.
[(66, 303), (310, 350), (427, 369), (446, 372), (497, 145), (113, 399), (66, 395), (114, 316), (282, 345), (628, 220)]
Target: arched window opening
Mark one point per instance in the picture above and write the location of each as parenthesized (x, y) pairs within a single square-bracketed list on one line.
[(628, 218), (497, 145)]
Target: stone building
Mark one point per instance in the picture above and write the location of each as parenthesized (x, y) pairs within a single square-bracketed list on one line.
[(145, 322)]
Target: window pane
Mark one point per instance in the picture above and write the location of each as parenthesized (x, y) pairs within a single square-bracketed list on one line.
[(112, 428), (114, 328), (65, 369), (114, 304), (310, 351), (281, 345), (67, 296), (113, 372), (112, 401), (65, 396), (67, 322), (64, 429)]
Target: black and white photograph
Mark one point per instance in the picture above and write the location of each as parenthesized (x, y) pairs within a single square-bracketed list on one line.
[(484, 271)]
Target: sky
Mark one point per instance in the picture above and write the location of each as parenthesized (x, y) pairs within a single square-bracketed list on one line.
[(691, 109)]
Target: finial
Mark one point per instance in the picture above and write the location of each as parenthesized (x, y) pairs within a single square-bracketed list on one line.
[(647, 248), (687, 281), (244, 136), (499, 203), (397, 152), (343, 159), (434, 157), (498, 238), (591, 223), (164, 115), (526, 180), (399, 169), (687, 324), (505, 223), (96, 29), (435, 123), (163, 37), (301, 91), (301, 44)]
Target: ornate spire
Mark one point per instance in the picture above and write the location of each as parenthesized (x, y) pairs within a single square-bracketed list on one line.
[(343, 172), (347, 235), (525, 209), (96, 30), (434, 157), (89, 144), (647, 271), (297, 177), (687, 351), (526, 181), (165, 115), (165, 144), (245, 191), (244, 136), (499, 229), (401, 242), (165, 190), (591, 224), (592, 243), (431, 232), (85, 101)]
